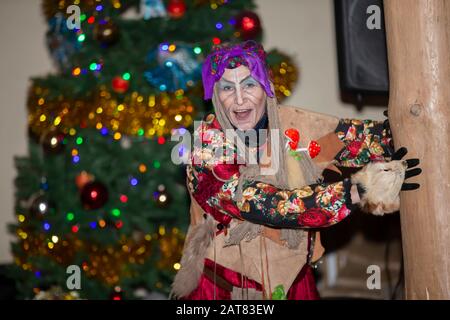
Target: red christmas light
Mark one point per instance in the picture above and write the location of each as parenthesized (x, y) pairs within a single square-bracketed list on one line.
[(248, 23), (176, 8), (119, 224), (120, 85)]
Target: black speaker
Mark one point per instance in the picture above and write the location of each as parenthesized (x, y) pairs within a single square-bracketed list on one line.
[(361, 46)]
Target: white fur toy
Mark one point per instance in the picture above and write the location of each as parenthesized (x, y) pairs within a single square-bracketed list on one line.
[(382, 182)]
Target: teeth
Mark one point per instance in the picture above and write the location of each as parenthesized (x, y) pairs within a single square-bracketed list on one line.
[(240, 111)]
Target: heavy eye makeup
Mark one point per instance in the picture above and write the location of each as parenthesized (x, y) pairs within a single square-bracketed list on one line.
[(248, 83), (226, 86)]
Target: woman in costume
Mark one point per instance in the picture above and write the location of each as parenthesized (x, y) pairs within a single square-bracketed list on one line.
[(255, 198)]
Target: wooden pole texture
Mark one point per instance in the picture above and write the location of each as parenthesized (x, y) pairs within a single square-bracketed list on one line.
[(418, 41)]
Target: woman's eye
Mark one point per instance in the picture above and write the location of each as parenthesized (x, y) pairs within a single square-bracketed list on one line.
[(227, 88), (387, 170), (250, 85)]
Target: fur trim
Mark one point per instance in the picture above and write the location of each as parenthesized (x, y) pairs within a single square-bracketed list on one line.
[(244, 230), (382, 182), (293, 237), (198, 240)]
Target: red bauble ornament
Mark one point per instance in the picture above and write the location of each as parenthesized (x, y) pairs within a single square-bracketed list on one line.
[(120, 85), (313, 149), (176, 8), (94, 195), (293, 136), (248, 24)]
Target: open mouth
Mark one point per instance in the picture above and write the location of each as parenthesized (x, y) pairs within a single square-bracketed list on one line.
[(242, 114)]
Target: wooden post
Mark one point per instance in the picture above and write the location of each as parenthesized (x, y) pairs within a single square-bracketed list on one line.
[(418, 41)]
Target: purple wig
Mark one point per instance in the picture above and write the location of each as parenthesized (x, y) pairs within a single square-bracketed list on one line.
[(249, 53)]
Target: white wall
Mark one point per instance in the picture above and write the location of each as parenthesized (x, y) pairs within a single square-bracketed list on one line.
[(301, 28), (22, 54)]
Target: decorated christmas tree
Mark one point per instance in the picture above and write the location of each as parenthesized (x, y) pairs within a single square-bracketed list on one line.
[(98, 189)]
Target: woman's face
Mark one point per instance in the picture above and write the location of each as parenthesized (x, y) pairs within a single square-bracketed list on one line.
[(242, 97)]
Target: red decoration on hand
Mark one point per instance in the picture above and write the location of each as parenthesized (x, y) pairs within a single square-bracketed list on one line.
[(176, 8), (293, 136), (120, 85), (313, 149)]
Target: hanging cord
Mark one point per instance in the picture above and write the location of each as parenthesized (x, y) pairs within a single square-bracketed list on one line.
[(243, 277), (267, 263)]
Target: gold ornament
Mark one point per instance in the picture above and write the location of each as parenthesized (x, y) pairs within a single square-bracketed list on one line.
[(106, 263), (55, 293), (285, 76), (171, 248)]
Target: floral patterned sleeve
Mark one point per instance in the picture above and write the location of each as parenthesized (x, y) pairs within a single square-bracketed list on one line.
[(365, 141), (313, 206), (212, 179)]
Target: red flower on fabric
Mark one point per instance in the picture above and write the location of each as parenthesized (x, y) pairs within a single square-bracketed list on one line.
[(343, 213), (207, 186), (354, 148), (269, 189), (313, 218), (229, 207), (266, 188), (375, 157), (225, 171)]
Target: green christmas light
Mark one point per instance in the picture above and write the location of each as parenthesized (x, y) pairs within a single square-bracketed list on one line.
[(81, 38), (79, 140), (140, 132), (115, 212), (197, 50), (93, 66), (126, 76), (70, 216), (83, 17), (156, 164)]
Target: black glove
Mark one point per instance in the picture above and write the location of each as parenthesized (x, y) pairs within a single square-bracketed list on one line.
[(398, 155)]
